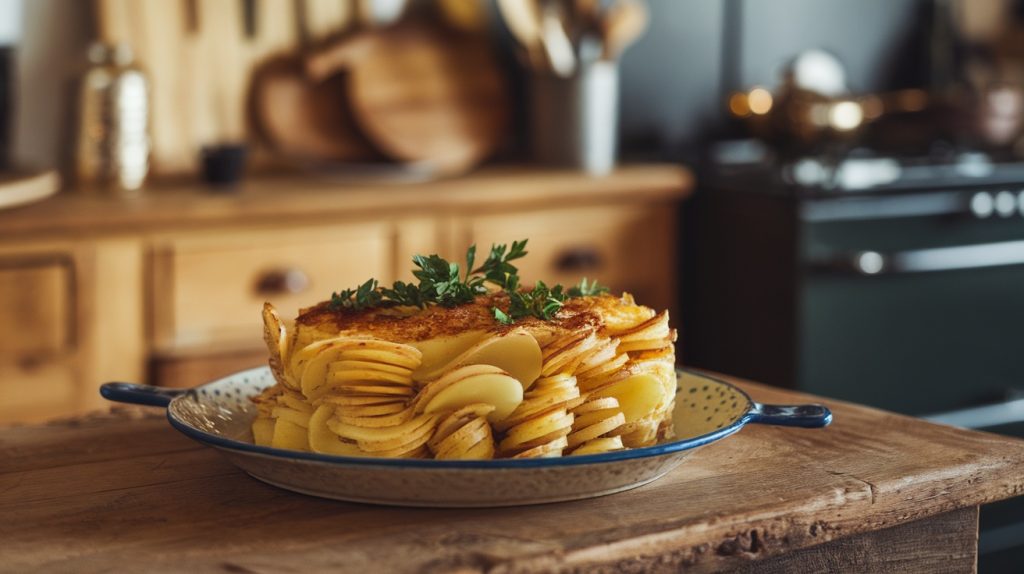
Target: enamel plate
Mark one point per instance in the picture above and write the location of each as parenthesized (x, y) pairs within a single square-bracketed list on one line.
[(219, 414)]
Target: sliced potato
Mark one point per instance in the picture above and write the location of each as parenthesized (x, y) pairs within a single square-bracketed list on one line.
[(289, 435), (311, 364), (605, 351), (602, 374), (655, 328), (553, 421), (456, 420), (600, 445), (360, 400), (638, 395), (399, 356), (547, 393), (303, 354), (496, 389), (414, 439), (568, 358), (351, 364), (378, 421), (644, 345), (376, 410), (539, 441), (377, 390), (460, 441), (366, 375), (596, 429), (295, 401), (595, 404), (483, 450), (275, 336), (323, 440), (641, 433), (296, 417), (366, 434), (263, 431), (441, 351), (552, 449), (414, 450), (432, 388), (517, 353)]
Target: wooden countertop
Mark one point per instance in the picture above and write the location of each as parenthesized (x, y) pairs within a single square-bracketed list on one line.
[(127, 491), (280, 199)]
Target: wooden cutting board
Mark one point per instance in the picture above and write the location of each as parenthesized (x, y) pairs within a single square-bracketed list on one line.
[(422, 94)]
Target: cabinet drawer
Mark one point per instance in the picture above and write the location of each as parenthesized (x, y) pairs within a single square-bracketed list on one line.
[(36, 307), (629, 248), (211, 288)]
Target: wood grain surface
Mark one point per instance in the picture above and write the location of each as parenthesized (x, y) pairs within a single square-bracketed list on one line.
[(944, 543), (305, 199), (125, 490)]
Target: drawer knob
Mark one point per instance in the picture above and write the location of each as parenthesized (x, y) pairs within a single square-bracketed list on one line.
[(578, 259), (289, 281)]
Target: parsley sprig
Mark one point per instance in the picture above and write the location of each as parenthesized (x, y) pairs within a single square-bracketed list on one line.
[(587, 289), (541, 302), (446, 283)]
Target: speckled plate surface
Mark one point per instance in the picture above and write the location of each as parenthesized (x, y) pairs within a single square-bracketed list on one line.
[(219, 414)]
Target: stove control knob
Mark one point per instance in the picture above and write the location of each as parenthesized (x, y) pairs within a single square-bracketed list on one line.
[(982, 204), (1006, 204)]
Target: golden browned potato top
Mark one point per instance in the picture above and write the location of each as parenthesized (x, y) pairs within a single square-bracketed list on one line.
[(413, 324)]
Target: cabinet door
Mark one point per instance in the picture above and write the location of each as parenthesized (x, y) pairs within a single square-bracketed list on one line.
[(627, 247), (37, 339), (208, 289)]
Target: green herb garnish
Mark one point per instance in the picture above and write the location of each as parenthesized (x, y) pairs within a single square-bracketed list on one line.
[(587, 289), (447, 284), (541, 302)]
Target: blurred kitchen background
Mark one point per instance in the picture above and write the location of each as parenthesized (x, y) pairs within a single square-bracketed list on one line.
[(828, 194)]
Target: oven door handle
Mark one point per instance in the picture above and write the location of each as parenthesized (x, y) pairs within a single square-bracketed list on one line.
[(976, 256), (984, 416)]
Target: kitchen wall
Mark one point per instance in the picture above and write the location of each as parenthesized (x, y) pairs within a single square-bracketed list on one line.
[(54, 35), (672, 79)]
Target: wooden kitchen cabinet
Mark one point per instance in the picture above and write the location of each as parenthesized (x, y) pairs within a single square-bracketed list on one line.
[(72, 315), (38, 339), (626, 247), (208, 287), (168, 287)]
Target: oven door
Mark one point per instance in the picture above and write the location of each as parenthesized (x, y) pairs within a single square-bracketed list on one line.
[(919, 315)]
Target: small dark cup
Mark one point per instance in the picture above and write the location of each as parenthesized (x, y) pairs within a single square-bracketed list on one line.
[(224, 164)]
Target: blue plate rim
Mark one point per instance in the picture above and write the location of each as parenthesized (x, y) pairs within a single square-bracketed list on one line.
[(662, 449)]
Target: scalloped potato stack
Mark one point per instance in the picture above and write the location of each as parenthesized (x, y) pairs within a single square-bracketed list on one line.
[(452, 383)]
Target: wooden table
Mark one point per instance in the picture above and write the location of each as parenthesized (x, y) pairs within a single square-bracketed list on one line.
[(873, 492)]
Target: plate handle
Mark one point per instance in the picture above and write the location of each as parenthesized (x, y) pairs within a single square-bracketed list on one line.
[(140, 394), (805, 416)]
